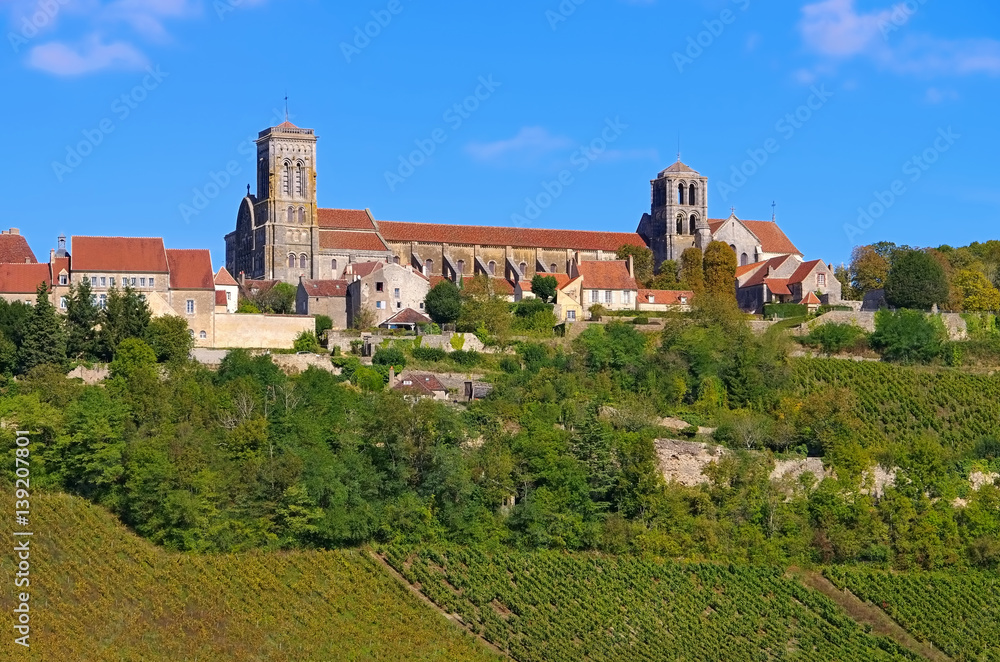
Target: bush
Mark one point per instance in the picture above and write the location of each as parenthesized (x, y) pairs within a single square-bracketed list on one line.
[(457, 341), (170, 338), (510, 365), (323, 324), (640, 320), (466, 358), (306, 342), (830, 309), (837, 337), (785, 310), (429, 354), (907, 336), (368, 379), (597, 311), (387, 356)]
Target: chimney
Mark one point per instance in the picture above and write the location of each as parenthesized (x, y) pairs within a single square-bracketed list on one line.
[(392, 376), (15, 231), (631, 266), (52, 255)]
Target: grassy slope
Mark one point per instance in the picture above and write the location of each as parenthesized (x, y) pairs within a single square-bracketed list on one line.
[(556, 607), (101, 593)]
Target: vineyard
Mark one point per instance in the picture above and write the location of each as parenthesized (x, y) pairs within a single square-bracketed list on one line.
[(100, 593), (898, 402), (957, 612), (558, 607)]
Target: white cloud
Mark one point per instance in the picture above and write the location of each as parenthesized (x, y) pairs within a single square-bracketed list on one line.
[(528, 145), (62, 59), (836, 30), (936, 96)]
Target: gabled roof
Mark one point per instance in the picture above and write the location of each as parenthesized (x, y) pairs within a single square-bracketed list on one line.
[(119, 254), (325, 288), (351, 241), (14, 249), (23, 278), (506, 236), (220, 298), (407, 316), (258, 286), (425, 379), (190, 269), (344, 219), (606, 275), (225, 279), (363, 268), (765, 268), (804, 270), (772, 238), (811, 299), (286, 125), (777, 285), (668, 297)]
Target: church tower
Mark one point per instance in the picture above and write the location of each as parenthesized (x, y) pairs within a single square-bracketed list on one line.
[(280, 222), (678, 217)]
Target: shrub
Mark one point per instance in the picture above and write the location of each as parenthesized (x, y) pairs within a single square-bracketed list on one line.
[(444, 302), (387, 356), (368, 379), (323, 324), (306, 342), (597, 311), (510, 365), (908, 335), (466, 358), (835, 338), (458, 341), (429, 354), (640, 320), (785, 310)]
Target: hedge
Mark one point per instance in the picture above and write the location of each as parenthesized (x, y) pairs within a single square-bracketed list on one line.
[(785, 310)]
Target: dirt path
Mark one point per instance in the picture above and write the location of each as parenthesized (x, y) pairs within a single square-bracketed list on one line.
[(866, 613), (454, 618)]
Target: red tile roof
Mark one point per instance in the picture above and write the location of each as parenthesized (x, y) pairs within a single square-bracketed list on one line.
[(561, 281), (286, 125), (811, 299), (59, 265), (325, 288), (14, 249), (119, 254), (220, 298), (21, 278), (225, 279), (190, 269), (777, 285), (772, 239), (668, 297), (606, 275), (351, 241), (258, 286), (345, 219), (804, 270), (765, 268), (407, 316), (744, 270), (431, 382), (500, 236), (363, 268)]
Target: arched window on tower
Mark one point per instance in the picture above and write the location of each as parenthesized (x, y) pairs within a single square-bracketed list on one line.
[(552, 267), (733, 247), (680, 223), (291, 260), (744, 260), (302, 261), (291, 215), (492, 267), (523, 268), (333, 267), (693, 195), (694, 223), (298, 180), (286, 179), (428, 267), (302, 215), (680, 194), (461, 267)]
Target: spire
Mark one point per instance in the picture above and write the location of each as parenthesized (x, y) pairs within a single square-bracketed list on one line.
[(286, 105), (774, 212)]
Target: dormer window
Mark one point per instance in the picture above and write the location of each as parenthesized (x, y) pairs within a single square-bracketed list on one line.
[(63, 279)]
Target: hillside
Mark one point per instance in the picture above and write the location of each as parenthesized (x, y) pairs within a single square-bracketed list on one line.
[(101, 593), (558, 607)]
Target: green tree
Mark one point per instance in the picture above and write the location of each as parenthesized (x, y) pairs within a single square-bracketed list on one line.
[(390, 356), (667, 278), (126, 315), (306, 342), (868, 271), (278, 300), (908, 336), (444, 302), (916, 281), (693, 270), (484, 312), (642, 261), (134, 380), (323, 324), (44, 336), (544, 287), (247, 307), (82, 315), (13, 320), (720, 270), (977, 293), (170, 339)]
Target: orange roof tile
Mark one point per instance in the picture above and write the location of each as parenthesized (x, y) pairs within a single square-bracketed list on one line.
[(225, 279), (351, 241), (14, 249), (765, 268), (363, 268), (426, 379), (777, 285), (506, 236), (325, 288), (668, 297), (804, 270), (811, 299), (220, 298), (744, 270), (286, 125), (23, 278), (606, 275), (772, 239), (119, 254), (561, 281), (190, 269), (345, 219)]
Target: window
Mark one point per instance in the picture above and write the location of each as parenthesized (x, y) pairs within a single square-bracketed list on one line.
[(395, 292), (104, 281), (399, 304), (571, 315), (395, 259), (302, 215), (461, 267), (151, 284), (298, 180), (732, 247), (111, 281), (286, 179), (291, 260), (333, 265), (821, 280), (693, 195), (191, 332), (63, 279), (492, 266), (595, 296), (421, 305), (609, 296), (229, 295), (290, 214), (680, 223), (694, 224), (380, 287), (62, 302), (93, 281), (142, 282), (744, 260), (552, 268), (102, 301), (380, 305), (302, 261), (680, 194), (523, 268), (133, 281), (190, 306), (626, 297), (203, 335)]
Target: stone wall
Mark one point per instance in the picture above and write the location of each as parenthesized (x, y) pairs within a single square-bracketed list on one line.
[(953, 322), (260, 331)]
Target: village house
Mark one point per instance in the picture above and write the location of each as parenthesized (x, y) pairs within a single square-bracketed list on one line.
[(785, 279), (383, 289)]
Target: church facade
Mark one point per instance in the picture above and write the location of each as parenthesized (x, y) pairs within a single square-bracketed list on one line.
[(282, 234)]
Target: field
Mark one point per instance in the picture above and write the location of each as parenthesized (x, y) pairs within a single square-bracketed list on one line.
[(101, 593), (897, 402), (957, 612), (558, 607)]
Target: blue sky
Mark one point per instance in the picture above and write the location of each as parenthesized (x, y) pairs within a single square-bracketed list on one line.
[(826, 106)]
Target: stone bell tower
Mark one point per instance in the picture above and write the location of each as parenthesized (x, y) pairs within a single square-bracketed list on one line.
[(678, 217)]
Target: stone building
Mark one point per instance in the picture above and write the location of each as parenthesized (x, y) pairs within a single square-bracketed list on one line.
[(786, 279), (678, 215), (383, 289)]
